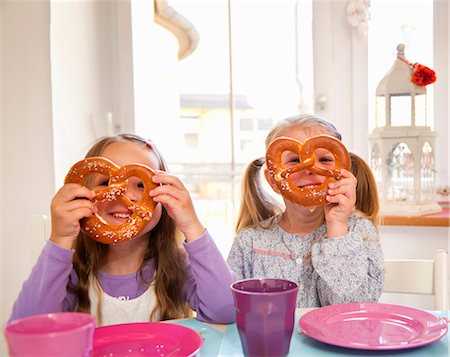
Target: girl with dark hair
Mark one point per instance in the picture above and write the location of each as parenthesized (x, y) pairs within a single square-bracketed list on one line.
[(154, 276)]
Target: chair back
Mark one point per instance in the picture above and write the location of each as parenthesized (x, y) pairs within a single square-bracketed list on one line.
[(419, 276)]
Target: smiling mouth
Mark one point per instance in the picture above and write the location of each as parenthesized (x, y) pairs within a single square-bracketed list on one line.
[(309, 186), (116, 215), (120, 215)]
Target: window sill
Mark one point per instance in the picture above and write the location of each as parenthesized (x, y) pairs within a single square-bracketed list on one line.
[(441, 219)]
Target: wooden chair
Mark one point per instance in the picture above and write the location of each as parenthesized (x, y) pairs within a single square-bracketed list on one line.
[(419, 276)]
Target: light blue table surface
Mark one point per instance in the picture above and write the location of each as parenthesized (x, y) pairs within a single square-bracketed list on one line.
[(217, 343)]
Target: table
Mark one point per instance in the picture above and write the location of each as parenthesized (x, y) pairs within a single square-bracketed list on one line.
[(223, 340)]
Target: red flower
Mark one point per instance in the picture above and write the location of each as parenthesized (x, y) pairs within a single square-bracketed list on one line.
[(422, 75)]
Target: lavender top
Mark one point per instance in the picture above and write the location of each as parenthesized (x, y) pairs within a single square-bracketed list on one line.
[(329, 271), (207, 288)]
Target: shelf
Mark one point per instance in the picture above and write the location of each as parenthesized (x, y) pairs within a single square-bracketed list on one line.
[(441, 219)]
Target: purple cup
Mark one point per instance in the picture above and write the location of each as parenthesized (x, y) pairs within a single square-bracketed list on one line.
[(59, 334), (265, 315)]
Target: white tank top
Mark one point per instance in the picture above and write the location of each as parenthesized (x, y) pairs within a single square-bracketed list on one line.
[(117, 311)]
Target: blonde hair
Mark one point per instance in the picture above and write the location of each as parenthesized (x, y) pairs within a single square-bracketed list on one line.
[(163, 248), (257, 205), (304, 122), (367, 201)]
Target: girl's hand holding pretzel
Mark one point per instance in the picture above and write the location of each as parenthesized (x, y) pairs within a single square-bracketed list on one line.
[(172, 194), (70, 204), (341, 195)]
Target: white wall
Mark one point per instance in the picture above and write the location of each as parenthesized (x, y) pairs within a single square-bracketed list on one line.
[(27, 144), (441, 92), (2, 130), (26, 137), (89, 75), (51, 110)]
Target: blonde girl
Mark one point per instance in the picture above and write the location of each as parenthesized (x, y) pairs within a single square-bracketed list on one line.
[(332, 252)]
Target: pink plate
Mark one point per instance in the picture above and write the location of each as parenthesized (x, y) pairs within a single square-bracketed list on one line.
[(373, 326), (146, 339)]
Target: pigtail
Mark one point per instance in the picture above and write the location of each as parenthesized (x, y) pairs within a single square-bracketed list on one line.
[(367, 201), (256, 204)]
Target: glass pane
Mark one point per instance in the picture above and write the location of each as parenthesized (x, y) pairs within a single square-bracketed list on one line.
[(401, 110), (265, 123), (271, 47), (400, 173), (205, 163), (246, 124), (427, 173)]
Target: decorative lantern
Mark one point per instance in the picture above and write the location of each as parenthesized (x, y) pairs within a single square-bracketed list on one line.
[(402, 144)]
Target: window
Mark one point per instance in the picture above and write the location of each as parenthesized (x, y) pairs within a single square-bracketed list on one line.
[(231, 89), (246, 124), (265, 123), (191, 140)]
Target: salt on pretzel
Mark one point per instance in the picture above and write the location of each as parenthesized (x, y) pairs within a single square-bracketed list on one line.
[(306, 196), (95, 226)]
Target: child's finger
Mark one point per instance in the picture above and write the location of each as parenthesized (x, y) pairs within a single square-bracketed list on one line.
[(343, 181), (341, 199), (334, 198), (168, 190), (346, 174), (82, 212), (72, 191), (164, 178), (346, 189), (81, 205), (166, 199)]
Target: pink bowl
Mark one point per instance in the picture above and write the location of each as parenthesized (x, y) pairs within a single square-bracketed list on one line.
[(58, 334)]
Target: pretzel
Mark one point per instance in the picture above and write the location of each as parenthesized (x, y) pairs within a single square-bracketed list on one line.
[(95, 226), (306, 196)]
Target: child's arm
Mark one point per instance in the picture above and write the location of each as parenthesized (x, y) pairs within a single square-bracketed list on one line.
[(208, 286), (351, 267), (45, 290)]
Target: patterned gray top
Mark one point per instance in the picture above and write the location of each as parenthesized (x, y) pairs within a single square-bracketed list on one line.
[(329, 271)]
